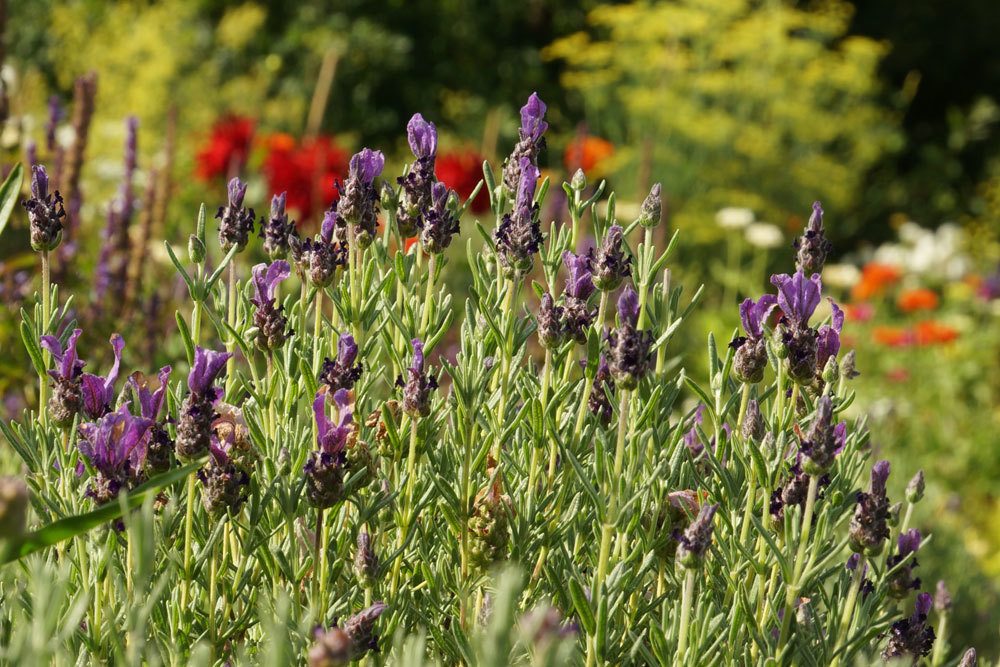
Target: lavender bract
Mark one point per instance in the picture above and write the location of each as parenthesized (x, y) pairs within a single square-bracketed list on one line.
[(341, 372), (99, 392), (67, 395), (415, 200), (358, 203), (115, 447), (277, 229), (577, 313), (325, 467), (194, 425), (518, 236), (630, 350), (160, 446), (269, 319), (532, 141), (750, 358), (798, 298)]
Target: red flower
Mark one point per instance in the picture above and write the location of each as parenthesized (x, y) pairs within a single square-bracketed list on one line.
[(931, 332), (306, 171), (892, 336), (587, 153), (461, 171), (917, 299), (227, 149)]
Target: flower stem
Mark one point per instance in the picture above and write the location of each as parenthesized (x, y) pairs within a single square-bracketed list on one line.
[(43, 386), (317, 326), (188, 529), (231, 320), (793, 588), (411, 464), (848, 612), (428, 297), (687, 597), (319, 562)]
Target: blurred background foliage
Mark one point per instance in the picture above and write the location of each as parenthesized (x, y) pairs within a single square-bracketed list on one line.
[(886, 111)]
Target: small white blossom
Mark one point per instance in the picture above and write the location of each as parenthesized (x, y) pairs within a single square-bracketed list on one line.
[(734, 218)]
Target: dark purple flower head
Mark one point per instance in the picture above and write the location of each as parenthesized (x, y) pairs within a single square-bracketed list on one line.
[(150, 400), (628, 307), (439, 223), (550, 323), (652, 207), (695, 541), (277, 228), (869, 527), (911, 636), (99, 392), (599, 402), (418, 386), (366, 165), (813, 247), (331, 436), (754, 314), (45, 212), (824, 441), (422, 137), (828, 338), (901, 579), (207, 366), (69, 364), (580, 284), (610, 263), (115, 446), (798, 296), (235, 222), (342, 372), (266, 278), (518, 236), (533, 124)]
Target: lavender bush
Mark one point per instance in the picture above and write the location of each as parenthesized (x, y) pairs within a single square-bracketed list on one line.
[(350, 466)]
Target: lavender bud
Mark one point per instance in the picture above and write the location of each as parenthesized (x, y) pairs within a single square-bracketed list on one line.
[(969, 659), (915, 488), (651, 210), (419, 385), (360, 628), (532, 141), (894, 511), (579, 181), (813, 247), (225, 487), (276, 229), (599, 402), (610, 264), (518, 236), (694, 542), (235, 222), (831, 371), (342, 372), (45, 212), (331, 649), (269, 319), (849, 367), (440, 224), (358, 204), (750, 359), (196, 249), (194, 425), (365, 561), (942, 598), (489, 530), (753, 422), (13, 507)]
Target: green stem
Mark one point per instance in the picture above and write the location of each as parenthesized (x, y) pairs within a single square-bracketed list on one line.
[(848, 613), (411, 465), (644, 286), (231, 320), (792, 590), (188, 530), (940, 642), (319, 562), (428, 297), (466, 499), (317, 327), (43, 385), (687, 598)]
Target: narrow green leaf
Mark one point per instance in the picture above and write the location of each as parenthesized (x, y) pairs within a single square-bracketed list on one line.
[(582, 606), (9, 192)]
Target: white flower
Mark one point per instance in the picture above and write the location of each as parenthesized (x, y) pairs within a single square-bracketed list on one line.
[(842, 276), (734, 218), (764, 235)]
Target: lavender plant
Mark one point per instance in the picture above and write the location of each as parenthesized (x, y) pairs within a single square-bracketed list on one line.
[(537, 481)]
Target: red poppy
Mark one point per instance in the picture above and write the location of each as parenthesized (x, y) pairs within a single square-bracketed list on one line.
[(461, 171), (917, 299), (306, 171), (587, 153), (227, 149)]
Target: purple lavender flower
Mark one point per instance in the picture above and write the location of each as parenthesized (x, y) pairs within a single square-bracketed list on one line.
[(828, 337), (225, 484), (798, 296), (159, 444), (519, 235), (342, 645), (911, 636), (115, 447), (365, 560), (813, 247), (532, 141), (194, 426), (440, 223), (753, 429), (277, 229), (45, 212), (325, 467), (416, 197), (630, 349), (99, 392), (824, 441), (610, 263), (869, 526), (694, 541), (550, 323), (358, 204), (603, 388), (750, 358), (577, 314), (902, 581), (341, 372), (691, 438), (235, 221), (268, 318), (419, 385), (318, 258), (67, 394)]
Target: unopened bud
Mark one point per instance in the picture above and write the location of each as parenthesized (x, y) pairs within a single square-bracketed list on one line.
[(196, 249), (915, 489), (652, 208), (831, 372), (579, 180), (849, 368), (894, 509)]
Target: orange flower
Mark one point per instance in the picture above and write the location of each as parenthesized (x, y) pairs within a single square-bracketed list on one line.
[(874, 279), (932, 332), (859, 312), (917, 299), (587, 153), (892, 336)]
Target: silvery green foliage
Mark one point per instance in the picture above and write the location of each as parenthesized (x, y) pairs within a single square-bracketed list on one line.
[(511, 524)]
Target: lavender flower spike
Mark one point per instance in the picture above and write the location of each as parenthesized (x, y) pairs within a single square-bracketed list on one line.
[(358, 204), (419, 385), (902, 581), (277, 228), (160, 446), (235, 222), (533, 124), (67, 395), (271, 324), (798, 296), (580, 284), (753, 314), (911, 636), (825, 440), (519, 235), (577, 313), (422, 137), (440, 223), (342, 372), (628, 307), (869, 526), (630, 349), (750, 359), (694, 542), (813, 246), (194, 426), (610, 263), (99, 392), (115, 447), (207, 366), (533, 127), (45, 212), (324, 469)]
